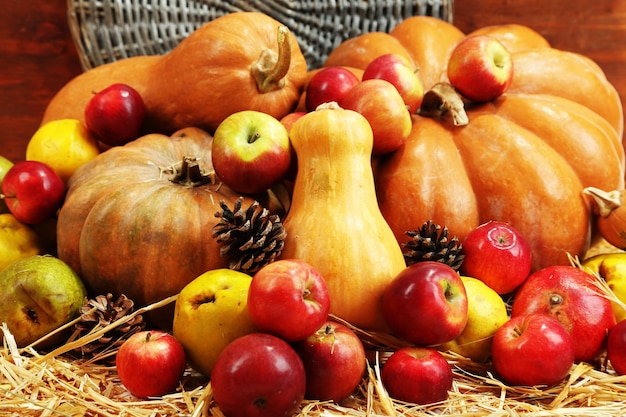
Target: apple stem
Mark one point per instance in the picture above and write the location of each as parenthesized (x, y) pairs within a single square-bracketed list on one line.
[(441, 99), (556, 299), (253, 137), (148, 336), (189, 174), (605, 202), (271, 68)]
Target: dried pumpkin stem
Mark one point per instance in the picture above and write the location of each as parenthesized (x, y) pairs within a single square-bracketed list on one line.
[(606, 201), (270, 69), (189, 174), (442, 99)]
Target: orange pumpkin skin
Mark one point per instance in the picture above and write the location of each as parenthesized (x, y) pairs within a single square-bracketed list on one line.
[(426, 41), (514, 37), (127, 229), (205, 78), (359, 51), (515, 162), (429, 41), (569, 75)]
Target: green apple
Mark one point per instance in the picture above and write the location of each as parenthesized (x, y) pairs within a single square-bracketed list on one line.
[(251, 151), (5, 165), (210, 312), (39, 294)]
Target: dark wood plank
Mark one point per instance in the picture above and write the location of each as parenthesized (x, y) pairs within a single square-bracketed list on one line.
[(37, 58)]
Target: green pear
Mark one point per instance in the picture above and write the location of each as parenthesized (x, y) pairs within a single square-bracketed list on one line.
[(5, 165), (39, 294)]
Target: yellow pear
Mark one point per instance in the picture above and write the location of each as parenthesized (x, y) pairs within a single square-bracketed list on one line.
[(210, 312), (39, 294), (611, 267), (486, 313), (17, 240)]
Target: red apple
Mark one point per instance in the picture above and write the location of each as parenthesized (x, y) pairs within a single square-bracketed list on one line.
[(426, 304), (616, 347), (32, 191), (532, 349), (288, 298), (334, 361), (329, 84), (150, 363), (402, 74), (258, 375), (417, 375), (290, 118), (480, 68), (115, 114), (383, 107), (251, 151), (572, 296), (498, 255)]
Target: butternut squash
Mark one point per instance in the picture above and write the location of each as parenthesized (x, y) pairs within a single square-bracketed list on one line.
[(239, 61), (334, 222)]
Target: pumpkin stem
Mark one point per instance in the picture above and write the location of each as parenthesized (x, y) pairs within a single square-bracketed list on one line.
[(606, 201), (442, 98), (271, 68), (189, 174)]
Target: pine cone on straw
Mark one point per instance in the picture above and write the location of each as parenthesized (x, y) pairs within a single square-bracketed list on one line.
[(100, 312), (250, 238), (431, 243)]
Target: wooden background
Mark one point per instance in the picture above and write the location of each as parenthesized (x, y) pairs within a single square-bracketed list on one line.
[(37, 55)]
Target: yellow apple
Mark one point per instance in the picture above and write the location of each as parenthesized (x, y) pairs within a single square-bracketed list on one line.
[(486, 313), (5, 165), (17, 240), (611, 267), (65, 145), (210, 312)]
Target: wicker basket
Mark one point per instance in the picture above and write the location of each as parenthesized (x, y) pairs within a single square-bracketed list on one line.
[(109, 30)]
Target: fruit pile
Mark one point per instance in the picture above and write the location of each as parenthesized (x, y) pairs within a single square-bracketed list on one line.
[(438, 188)]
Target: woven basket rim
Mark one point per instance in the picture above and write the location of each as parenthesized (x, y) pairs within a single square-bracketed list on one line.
[(108, 30)]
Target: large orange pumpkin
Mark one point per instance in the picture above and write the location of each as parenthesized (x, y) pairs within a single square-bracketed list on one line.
[(138, 221), (238, 61), (524, 158)]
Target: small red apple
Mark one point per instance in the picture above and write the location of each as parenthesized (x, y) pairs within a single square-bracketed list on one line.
[(480, 68), (417, 375), (258, 375), (616, 347), (290, 118), (401, 73), (334, 361), (571, 295), (426, 304), (150, 363), (498, 255), (329, 84), (251, 151), (288, 298), (32, 191), (532, 349), (114, 115), (383, 107)]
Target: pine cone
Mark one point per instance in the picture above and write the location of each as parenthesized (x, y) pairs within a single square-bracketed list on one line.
[(250, 238), (98, 313), (431, 243)]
